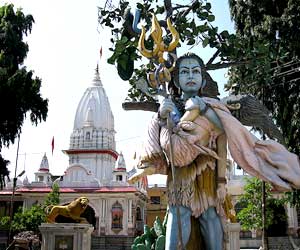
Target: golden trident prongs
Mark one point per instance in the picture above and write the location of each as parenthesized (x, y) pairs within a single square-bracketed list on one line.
[(162, 73)]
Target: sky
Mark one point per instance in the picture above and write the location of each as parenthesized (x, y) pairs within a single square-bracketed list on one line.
[(63, 51)]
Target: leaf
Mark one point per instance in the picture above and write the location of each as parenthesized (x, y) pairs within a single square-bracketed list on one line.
[(124, 39), (103, 12), (158, 227), (137, 240), (211, 18), (112, 59), (191, 41), (207, 6), (160, 9), (202, 28), (196, 6), (141, 247), (224, 34), (160, 242), (140, 6), (205, 42)]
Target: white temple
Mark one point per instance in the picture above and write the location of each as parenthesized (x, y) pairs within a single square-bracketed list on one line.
[(92, 153), (96, 170)]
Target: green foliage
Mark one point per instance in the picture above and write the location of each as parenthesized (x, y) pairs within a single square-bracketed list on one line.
[(4, 223), (272, 29), (19, 90), (151, 239), (53, 197), (160, 242), (193, 23), (293, 197), (250, 216), (135, 94), (30, 219)]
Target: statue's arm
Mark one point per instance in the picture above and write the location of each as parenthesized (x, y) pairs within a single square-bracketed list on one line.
[(205, 110), (213, 118)]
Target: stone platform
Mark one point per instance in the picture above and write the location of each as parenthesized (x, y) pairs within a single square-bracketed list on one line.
[(66, 236)]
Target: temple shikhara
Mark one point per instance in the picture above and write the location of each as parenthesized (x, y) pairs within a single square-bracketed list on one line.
[(96, 170)]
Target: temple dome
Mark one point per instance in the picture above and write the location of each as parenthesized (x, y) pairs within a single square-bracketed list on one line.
[(94, 108), (94, 120)]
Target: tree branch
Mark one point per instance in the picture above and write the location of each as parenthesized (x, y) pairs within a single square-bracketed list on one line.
[(178, 7), (163, 23), (168, 8), (225, 65), (185, 13), (213, 57), (145, 106), (217, 34)]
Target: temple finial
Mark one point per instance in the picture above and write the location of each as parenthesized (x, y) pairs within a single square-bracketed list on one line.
[(97, 81)]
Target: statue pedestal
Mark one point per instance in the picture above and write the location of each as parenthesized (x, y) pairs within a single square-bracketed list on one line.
[(233, 234), (66, 236)]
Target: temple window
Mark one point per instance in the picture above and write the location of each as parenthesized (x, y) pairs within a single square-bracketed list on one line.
[(155, 199), (119, 177), (88, 135), (117, 216), (138, 214)]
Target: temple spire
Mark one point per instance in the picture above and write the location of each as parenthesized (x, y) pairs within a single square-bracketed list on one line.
[(44, 166), (97, 80)]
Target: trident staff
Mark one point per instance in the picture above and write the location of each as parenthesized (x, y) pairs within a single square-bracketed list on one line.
[(159, 80)]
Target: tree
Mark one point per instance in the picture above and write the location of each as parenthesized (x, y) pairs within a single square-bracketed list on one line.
[(250, 216), (3, 171), (53, 197), (193, 23), (19, 89), (28, 219), (262, 54), (273, 32)]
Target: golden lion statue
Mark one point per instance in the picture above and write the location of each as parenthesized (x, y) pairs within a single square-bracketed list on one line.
[(72, 210)]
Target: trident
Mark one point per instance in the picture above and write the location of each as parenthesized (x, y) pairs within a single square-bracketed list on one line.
[(158, 80)]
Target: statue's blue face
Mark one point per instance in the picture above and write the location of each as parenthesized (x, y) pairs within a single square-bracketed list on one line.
[(190, 77)]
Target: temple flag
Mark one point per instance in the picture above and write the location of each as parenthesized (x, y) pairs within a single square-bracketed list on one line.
[(101, 52), (52, 144)]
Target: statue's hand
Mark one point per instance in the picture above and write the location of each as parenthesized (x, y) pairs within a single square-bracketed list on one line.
[(166, 107), (221, 192), (195, 102)]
